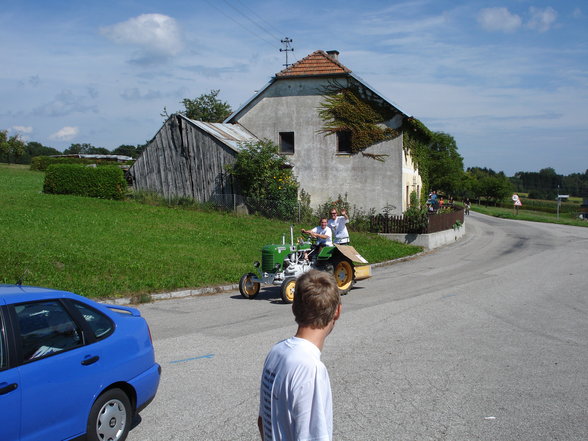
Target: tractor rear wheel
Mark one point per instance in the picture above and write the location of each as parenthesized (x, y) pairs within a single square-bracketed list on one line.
[(247, 287), (288, 286), (343, 272)]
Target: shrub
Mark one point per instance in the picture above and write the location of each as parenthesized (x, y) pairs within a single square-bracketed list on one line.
[(105, 182), (42, 162), (266, 180)]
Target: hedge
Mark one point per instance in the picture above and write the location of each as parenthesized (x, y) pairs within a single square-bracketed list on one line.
[(42, 162), (107, 182)]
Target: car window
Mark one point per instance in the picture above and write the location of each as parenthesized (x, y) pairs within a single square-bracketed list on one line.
[(46, 328), (101, 325), (3, 355)]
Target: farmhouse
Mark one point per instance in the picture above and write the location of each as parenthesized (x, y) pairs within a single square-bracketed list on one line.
[(341, 136)]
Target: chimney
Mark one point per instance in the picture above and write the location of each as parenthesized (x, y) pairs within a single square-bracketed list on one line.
[(334, 55)]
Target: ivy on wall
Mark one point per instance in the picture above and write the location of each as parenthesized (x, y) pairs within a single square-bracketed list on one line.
[(353, 108), (416, 141), (348, 108)]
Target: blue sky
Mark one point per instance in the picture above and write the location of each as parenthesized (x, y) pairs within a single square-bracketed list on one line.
[(508, 80)]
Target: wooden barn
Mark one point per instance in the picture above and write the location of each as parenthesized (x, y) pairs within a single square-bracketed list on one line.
[(188, 158)]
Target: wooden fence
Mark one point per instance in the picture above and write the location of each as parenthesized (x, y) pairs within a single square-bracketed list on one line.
[(425, 224)]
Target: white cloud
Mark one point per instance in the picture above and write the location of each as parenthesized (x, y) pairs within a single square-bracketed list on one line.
[(155, 34), (499, 19), (22, 129), (541, 19), (65, 134)]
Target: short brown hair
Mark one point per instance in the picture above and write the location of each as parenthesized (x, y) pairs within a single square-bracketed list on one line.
[(316, 298)]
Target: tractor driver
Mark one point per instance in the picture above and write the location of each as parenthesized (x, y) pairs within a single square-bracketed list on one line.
[(323, 234)]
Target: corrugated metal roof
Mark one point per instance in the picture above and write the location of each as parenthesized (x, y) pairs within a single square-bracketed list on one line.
[(229, 134)]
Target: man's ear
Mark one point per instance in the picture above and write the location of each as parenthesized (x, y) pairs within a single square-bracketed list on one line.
[(337, 312)]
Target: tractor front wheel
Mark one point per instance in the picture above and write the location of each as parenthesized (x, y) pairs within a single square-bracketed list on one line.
[(343, 272), (288, 286), (247, 287)]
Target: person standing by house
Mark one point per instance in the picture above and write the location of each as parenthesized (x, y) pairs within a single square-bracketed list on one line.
[(338, 225), (517, 202), (295, 399)]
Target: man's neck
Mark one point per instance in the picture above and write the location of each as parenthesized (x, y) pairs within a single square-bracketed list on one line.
[(315, 336)]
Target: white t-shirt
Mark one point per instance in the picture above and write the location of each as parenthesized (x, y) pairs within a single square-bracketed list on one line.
[(326, 231), (340, 233), (295, 395)]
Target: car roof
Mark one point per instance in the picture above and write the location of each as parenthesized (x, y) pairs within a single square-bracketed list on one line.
[(10, 294)]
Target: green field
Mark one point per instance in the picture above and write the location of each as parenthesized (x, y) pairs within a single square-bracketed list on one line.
[(529, 215), (102, 248)]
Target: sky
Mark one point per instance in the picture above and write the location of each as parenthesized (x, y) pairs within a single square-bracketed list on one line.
[(508, 80)]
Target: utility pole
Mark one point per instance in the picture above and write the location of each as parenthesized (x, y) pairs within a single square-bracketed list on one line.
[(286, 42)]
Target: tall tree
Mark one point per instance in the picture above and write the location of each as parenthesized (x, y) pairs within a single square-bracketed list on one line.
[(207, 107), (445, 164)]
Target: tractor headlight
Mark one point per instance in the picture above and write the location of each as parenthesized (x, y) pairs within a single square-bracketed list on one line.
[(256, 264)]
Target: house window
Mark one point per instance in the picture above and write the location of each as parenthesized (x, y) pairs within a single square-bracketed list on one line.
[(344, 142), (287, 142)]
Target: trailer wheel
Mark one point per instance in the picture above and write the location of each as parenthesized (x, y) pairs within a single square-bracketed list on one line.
[(288, 286), (343, 272), (247, 287)]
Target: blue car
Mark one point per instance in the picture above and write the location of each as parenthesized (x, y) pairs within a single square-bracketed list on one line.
[(71, 368)]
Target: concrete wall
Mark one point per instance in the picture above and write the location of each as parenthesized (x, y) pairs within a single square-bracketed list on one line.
[(291, 105), (428, 241)]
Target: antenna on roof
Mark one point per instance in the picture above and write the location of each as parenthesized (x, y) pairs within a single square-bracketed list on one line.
[(286, 41)]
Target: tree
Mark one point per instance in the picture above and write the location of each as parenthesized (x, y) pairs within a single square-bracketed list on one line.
[(37, 149), (207, 107), (85, 149), (265, 178), (445, 164), (11, 148)]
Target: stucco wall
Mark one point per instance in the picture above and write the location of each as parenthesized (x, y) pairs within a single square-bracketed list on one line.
[(291, 105)]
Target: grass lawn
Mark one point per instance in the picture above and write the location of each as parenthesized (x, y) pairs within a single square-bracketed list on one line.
[(102, 248), (528, 215)]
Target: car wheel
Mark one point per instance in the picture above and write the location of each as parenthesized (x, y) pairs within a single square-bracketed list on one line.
[(110, 417), (343, 272), (288, 286), (247, 287)]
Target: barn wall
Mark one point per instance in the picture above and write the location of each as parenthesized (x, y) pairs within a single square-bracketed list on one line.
[(182, 160)]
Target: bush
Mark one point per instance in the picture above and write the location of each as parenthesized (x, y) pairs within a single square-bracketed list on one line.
[(41, 163), (107, 182), (263, 175)]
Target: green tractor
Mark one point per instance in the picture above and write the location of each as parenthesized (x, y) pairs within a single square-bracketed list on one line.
[(282, 264)]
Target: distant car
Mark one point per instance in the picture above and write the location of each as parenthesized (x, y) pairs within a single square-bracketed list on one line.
[(71, 368)]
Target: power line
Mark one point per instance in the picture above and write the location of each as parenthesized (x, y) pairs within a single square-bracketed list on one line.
[(252, 21), (240, 24), (279, 32)]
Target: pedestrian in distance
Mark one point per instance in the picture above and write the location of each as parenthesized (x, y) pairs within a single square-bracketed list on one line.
[(517, 203), (295, 401), (467, 205)]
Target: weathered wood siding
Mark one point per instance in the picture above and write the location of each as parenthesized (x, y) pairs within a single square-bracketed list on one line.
[(183, 160)]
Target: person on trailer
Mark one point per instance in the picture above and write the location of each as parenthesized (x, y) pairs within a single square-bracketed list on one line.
[(339, 228)]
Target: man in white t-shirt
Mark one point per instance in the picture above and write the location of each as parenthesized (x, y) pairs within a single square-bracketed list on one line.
[(295, 401), (338, 225), (322, 233)]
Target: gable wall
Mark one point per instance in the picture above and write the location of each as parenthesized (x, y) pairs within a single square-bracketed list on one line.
[(291, 106), (182, 160)]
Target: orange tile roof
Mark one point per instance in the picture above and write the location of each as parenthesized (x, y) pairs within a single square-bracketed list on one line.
[(317, 63)]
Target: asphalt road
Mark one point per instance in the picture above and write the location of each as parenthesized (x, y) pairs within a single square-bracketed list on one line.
[(484, 339)]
